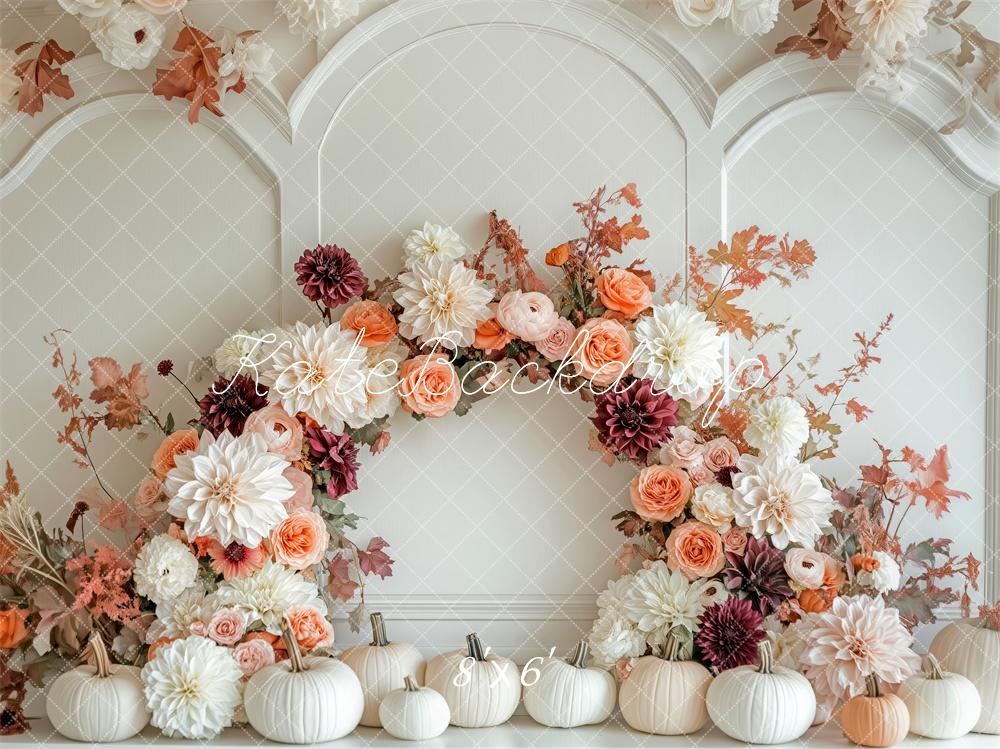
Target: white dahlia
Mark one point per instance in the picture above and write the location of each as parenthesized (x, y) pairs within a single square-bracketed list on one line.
[(175, 615), (442, 301), (268, 594), (778, 426), (238, 352), (320, 371), (680, 350), (164, 568), (614, 637), (433, 241), (887, 26), (312, 17), (780, 498), (660, 600), (612, 598), (230, 489), (192, 688), (128, 37)]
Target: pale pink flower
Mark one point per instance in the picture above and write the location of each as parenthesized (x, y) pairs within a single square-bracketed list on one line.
[(150, 499), (227, 626), (806, 567), (719, 453), (556, 345), (735, 540), (282, 433), (683, 450), (530, 315), (251, 656), (302, 489)]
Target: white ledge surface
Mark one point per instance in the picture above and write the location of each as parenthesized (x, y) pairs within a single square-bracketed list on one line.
[(520, 731)]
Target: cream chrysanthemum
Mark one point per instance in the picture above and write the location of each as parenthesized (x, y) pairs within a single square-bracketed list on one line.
[(268, 594), (442, 301), (887, 26), (777, 426), (192, 688), (174, 616), (680, 350), (164, 568), (230, 489), (238, 353), (660, 600), (779, 498), (433, 241), (319, 370), (312, 17), (614, 637)]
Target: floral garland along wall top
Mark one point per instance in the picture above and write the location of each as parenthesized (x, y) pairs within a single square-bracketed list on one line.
[(240, 524), (129, 34)]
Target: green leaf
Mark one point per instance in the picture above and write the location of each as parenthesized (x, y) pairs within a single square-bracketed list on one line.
[(168, 425)]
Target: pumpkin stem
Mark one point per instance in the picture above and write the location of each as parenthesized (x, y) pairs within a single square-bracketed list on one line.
[(673, 647), (579, 658), (475, 647), (934, 668), (379, 638), (295, 659), (872, 686), (765, 656), (409, 685), (102, 661)]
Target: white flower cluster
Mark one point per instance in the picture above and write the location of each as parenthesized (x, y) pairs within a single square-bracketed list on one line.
[(748, 17)]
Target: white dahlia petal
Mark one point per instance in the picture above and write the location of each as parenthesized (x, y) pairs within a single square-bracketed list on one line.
[(266, 595), (679, 349), (660, 600), (164, 568), (778, 427), (433, 241)]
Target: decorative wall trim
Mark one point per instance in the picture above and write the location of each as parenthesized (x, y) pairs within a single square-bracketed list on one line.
[(992, 564)]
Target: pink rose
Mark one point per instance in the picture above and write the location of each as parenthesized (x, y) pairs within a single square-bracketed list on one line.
[(720, 453), (227, 626), (198, 628), (302, 489), (683, 450), (149, 497), (735, 540), (530, 315), (700, 475), (282, 433), (251, 656), (806, 567), (558, 342), (429, 385), (602, 351)]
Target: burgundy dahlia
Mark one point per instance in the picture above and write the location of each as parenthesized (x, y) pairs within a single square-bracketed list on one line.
[(329, 275), (728, 634), (337, 454), (758, 575), (636, 420), (228, 403)]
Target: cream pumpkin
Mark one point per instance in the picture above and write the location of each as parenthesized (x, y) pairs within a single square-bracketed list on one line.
[(567, 694), (942, 705), (875, 719), (414, 713), (481, 690), (970, 648)]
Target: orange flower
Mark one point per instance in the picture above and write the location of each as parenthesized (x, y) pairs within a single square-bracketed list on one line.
[(602, 350), (12, 629), (695, 549), (864, 562), (375, 323), (557, 256), (623, 291), (833, 575), (300, 540), (660, 492), (429, 385), (175, 444), (151, 653), (273, 640), (310, 627), (491, 335), (816, 601)]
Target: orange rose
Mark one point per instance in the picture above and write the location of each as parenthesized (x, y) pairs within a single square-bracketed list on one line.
[(175, 444), (602, 350), (157, 644), (300, 540), (660, 492), (491, 335), (557, 256), (695, 549), (429, 385), (375, 323), (623, 291), (310, 627), (12, 629)]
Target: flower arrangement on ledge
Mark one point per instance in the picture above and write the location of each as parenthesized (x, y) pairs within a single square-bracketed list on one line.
[(240, 529)]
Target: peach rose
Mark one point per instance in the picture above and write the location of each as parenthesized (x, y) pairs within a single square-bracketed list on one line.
[(178, 443), (735, 540), (310, 627), (695, 549), (429, 385), (375, 323), (683, 450), (719, 453), (251, 656), (300, 540), (700, 475), (12, 629), (623, 291), (156, 645), (227, 626), (282, 433), (602, 350), (660, 492), (806, 567), (302, 489), (491, 335), (558, 342), (149, 497)]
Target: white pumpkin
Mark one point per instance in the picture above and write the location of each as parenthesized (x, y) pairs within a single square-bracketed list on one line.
[(762, 704), (567, 694), (303, 700), (99, 703), (970, 648), (942, 705), (381, 667), (665, 696), (481, 690), (414, 713)]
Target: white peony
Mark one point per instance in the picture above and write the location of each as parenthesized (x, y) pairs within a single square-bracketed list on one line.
[(192, 688), (777, 427), (660, 600), (885, 577), (175, 615), (128, 37), (754, 17), (229, 489), (313, 17), (433, 241), (238, 353), (614, 637), (712, 504), (381, 386), (244, 55), (164, 568), (442, 301), (887, 26), (780, 498), (701, 12), (320, 370), (679, 349), (268, 594), (90, 8)]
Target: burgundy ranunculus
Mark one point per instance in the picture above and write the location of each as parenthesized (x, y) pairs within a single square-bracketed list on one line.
[(228, 403), (758, 575), (329, 275), (337, 454), (729, 632), (634, 421)]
